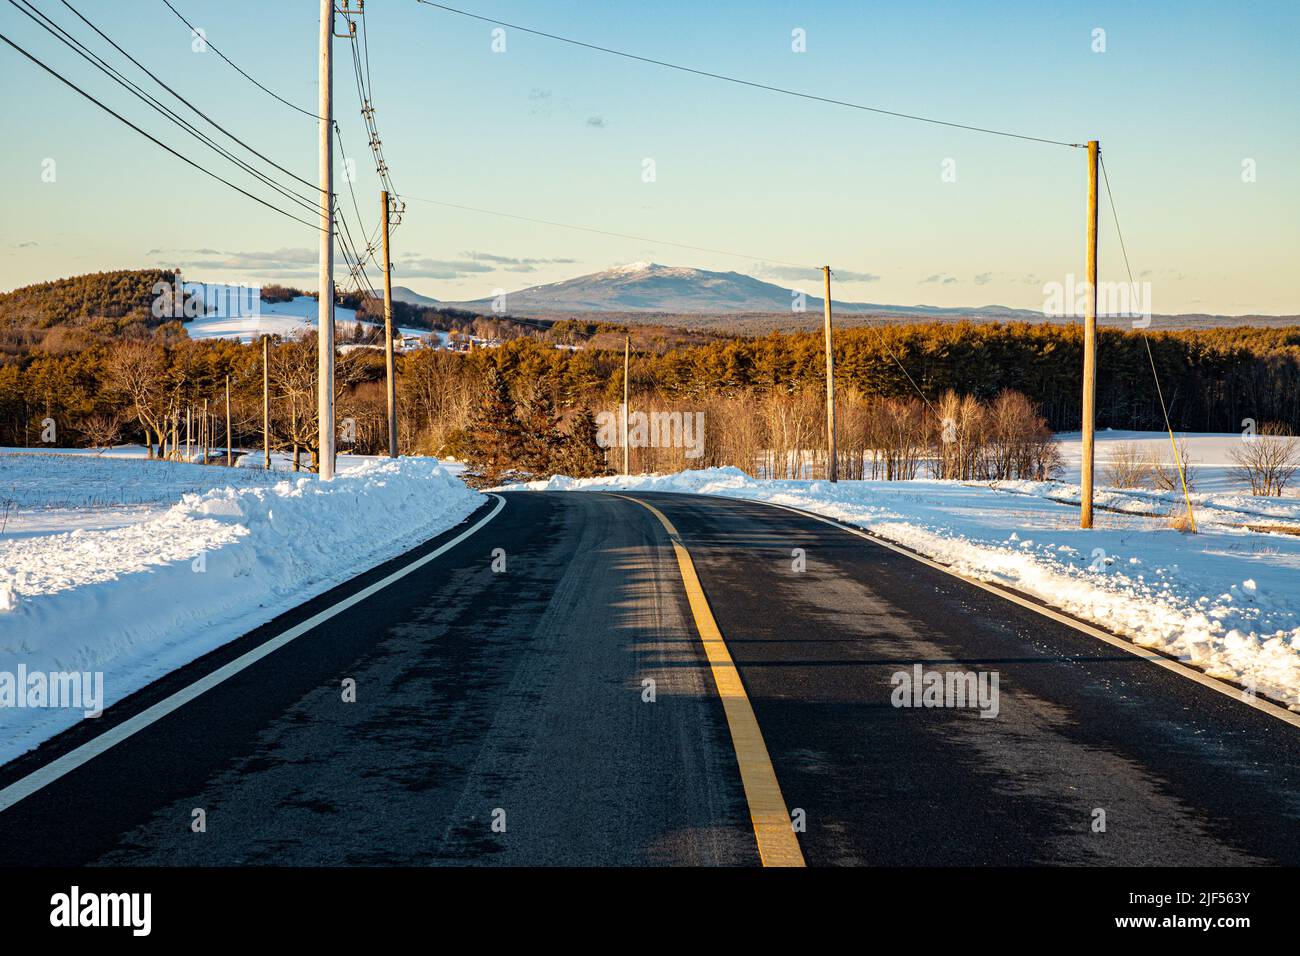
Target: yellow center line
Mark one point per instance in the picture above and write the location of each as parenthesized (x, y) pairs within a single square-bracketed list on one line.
[(777, 844)]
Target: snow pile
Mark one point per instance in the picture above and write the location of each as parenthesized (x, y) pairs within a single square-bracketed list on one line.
[(1226, 601), (139, 599)]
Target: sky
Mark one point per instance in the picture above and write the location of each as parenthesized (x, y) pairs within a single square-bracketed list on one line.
[(1196, 105)]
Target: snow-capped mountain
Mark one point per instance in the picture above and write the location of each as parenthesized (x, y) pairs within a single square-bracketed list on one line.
[(651, 287)]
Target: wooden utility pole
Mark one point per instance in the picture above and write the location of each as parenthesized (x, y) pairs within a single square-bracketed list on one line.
[(1090, 344), (832, 464), (266, 402), (204, 433), (325, 316), (189, 420), (388, 334), (627, 365), (230, 451)]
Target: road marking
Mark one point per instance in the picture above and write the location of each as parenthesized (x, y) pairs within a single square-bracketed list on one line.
[(773, 828), (91, 749), (1147, 654)]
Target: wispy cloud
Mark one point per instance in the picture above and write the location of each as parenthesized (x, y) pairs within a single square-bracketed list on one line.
[(797, 274), (302, 263), (470, 263), (284, 262), (940, 278), (597, 121)]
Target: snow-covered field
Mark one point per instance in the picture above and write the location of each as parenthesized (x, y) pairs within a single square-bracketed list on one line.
[(134, 568), (1226, 600), (1209, 455)]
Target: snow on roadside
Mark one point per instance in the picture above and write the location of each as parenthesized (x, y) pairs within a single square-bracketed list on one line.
[(1226, 600), (156, 586)]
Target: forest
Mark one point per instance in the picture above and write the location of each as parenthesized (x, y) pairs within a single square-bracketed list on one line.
[(88, 355)]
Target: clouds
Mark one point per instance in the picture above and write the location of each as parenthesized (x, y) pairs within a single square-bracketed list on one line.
[(285, 262), (301, 263), (797, 274), (596, 121), (469, 264), (983, 278)]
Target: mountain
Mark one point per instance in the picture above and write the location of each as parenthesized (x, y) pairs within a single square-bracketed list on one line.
[(402, 294), (651, 287)]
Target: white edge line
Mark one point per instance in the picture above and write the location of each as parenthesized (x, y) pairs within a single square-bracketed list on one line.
[(73, 759), (1146, 654)]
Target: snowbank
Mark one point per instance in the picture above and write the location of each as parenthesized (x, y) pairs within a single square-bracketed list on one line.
[(150, 589), (1226, 601)]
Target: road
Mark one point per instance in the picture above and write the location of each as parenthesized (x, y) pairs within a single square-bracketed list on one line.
[(505, 716)]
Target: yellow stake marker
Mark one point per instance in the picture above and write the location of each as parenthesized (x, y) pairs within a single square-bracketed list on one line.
[(773, 829)]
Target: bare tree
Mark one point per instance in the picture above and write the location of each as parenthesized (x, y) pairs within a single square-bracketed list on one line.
[(1267, 461), (1127, 466), (102, 430), (292, 373), (1164, 469), (138, 369)]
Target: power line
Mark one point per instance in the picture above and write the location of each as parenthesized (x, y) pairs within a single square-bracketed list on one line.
[(212, 47), (209, 119), (749, 83), (1146, 339), (361, 75), (62, 79), (63, 36)]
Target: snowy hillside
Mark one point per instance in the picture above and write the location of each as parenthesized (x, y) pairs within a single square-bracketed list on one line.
[(285, 319)]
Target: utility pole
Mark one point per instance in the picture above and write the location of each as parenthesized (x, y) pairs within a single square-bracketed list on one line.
[(388, 335), (266, 402), (230, 451), (325, 316), (204, 433), (189, 419), (832, 464), (1090, 344), (627, 365)]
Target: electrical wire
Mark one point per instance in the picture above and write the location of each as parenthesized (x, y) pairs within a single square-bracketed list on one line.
[(154, 77), (194, 31), (63, 36), (1146, 339), (207, 172), (749, 83)]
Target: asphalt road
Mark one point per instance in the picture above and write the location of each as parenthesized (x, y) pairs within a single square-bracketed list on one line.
[(504, 717)]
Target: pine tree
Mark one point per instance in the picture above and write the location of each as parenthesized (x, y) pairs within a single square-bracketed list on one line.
[(495, 438), (582, 456), (543, 443)]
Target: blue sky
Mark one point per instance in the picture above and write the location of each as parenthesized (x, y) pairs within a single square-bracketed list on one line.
[(1183, 95)]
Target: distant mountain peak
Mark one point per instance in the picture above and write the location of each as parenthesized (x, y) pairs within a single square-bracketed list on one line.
[(633, 268), (654, 287)]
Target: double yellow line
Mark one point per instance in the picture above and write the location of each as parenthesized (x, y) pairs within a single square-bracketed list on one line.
[(773, 828)]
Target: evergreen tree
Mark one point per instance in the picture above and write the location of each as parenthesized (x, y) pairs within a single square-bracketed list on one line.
[(543, 443), (495, 439), (581, 455)]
